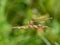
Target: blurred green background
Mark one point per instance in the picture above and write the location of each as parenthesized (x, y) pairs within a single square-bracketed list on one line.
[(20, 12)]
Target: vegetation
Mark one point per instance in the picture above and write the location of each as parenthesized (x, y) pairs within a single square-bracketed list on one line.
[(29, 22)]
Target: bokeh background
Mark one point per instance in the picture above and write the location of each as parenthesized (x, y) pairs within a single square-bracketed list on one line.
[(16, 13)]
